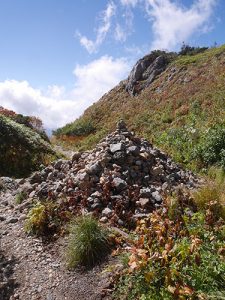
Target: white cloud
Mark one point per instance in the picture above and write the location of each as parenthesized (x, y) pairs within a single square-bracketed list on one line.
[(129, 2), (56, 107), (92, 46), (120, 34), (97, 77), (173, 23)]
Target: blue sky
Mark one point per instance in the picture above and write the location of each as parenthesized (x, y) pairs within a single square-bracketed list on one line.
[(59, 56)]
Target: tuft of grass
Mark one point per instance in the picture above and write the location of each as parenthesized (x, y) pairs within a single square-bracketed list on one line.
[(20, 197), (88, 242), (211, 194)]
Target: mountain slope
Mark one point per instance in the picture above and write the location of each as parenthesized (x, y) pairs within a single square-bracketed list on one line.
[(180, 111)]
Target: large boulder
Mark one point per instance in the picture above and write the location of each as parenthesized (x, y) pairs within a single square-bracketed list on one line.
[(146, 70)]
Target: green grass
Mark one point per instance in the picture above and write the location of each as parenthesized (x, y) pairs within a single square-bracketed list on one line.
[(20, 197), (88, 243)]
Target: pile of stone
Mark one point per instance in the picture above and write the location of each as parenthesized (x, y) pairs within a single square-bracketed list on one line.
[(123, 178)]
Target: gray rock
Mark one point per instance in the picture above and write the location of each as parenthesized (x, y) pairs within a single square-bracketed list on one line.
[(116, 147), (76, 156), (119, 184), (157, 197), (107, 212), (12, 220), (94, 168), (2, 218), (133, 150), (103, 220), (145, 193), (96, 206), (147, 68), (144, 202)]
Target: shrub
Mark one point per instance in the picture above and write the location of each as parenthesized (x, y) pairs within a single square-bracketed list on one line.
[(188, 50), (42, 219), (22, 150), (88, 242), (78, 128), (211, 148)]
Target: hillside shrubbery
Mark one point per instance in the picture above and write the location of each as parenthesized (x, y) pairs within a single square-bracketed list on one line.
[(197, 147), (80, 127), (22, 150)]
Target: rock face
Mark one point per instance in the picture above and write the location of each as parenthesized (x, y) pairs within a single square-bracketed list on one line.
[(145, 71), (123, 177)]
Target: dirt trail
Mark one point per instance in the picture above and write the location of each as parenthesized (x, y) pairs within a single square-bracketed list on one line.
[(32, 270)]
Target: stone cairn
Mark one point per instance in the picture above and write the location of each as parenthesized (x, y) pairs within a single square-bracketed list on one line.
[(122, 179)]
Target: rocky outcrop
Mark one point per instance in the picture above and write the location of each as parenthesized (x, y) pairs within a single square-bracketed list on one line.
[(120, 180), (146, 70)]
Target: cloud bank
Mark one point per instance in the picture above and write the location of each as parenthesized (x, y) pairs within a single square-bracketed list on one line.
[(56, 107), (170, 21), (173, 23)]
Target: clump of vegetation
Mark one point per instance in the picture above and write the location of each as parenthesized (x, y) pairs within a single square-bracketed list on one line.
[(20, 197), (81, 127), (22, 149), (43, 219), (189, 50), (198, 147), (213, 192), (175, 259), (88, 242)]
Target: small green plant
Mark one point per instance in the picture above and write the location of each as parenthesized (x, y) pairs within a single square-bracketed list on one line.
[(42, 219), (20, 197), (88, 242)]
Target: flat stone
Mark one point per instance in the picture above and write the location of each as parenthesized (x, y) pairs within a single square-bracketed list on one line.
[(133, 150), (143, 202), (116, 147), (107, 212), (12, 220)]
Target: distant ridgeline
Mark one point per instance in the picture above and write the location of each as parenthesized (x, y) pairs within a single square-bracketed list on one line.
[(23, 144), (175, 100)]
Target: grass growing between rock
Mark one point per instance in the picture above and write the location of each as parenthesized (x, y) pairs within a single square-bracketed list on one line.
[(88, 243)]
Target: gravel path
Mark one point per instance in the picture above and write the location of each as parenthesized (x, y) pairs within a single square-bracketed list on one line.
[(33, 270)]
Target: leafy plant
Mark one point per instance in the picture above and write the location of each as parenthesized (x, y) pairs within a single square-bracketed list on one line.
[(175, 259), (88, 242), (42, 219)]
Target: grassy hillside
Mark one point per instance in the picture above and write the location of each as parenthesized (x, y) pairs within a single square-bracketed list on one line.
[(22, 149), (182, 111)]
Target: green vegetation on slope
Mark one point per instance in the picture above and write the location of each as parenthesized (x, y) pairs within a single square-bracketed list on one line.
[(182, 111), (22, 149)]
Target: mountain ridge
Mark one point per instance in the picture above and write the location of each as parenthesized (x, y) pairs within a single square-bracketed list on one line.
[(189, 93)]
